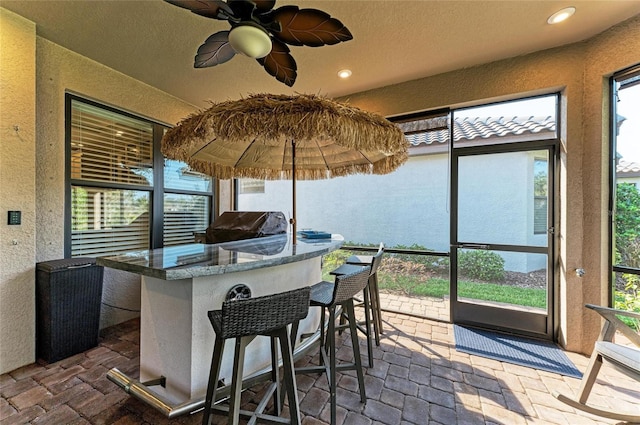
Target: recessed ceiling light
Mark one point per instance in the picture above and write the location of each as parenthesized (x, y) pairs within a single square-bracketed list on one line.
[(345, 73), (561, 15)]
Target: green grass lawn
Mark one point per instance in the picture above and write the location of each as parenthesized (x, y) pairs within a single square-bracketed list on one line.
[(438, 287), (421, 284)]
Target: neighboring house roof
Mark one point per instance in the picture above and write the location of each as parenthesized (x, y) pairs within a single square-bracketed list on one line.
[(486, 128), (482, 130), (626, 168)]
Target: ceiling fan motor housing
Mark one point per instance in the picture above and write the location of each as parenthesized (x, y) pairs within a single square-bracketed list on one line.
[(250, 40)]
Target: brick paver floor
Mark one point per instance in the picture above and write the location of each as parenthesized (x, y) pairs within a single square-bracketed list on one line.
[(419, 378)]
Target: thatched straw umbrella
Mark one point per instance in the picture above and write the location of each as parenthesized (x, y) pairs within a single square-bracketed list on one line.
[(303, 137)]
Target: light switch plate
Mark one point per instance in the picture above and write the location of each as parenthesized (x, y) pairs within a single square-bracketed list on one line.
[(14, 218)]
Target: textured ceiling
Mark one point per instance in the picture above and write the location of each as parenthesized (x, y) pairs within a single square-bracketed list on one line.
[(394, 41)]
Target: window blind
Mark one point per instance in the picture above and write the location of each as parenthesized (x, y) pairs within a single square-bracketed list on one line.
[(108, 221), (184, 215), (116, 205), (109, 147), (540, 215)]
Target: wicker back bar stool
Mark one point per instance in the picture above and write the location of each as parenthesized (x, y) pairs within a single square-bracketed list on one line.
[(242, 320), (374, 292), (371, 299), (330, 296)]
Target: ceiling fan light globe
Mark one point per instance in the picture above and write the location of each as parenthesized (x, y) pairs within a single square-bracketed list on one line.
[(250, 41)]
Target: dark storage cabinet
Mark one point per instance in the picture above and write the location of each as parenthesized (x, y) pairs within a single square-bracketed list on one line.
[(68, 297)]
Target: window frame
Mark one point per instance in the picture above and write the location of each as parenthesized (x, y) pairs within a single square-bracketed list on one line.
[(544, 228), (156, 191), (633, 72)]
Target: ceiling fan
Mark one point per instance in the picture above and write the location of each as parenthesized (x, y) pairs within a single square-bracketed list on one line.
[(260, 32)]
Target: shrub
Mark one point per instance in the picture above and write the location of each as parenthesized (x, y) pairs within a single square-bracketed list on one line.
[(629, 299), (627, 222), (481, 265), (334, 259), (431, 263)]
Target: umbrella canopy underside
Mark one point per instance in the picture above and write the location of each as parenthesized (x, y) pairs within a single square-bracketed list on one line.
[(253, 138)]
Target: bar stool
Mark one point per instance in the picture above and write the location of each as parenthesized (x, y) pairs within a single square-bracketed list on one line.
[(374, 292), (329, 296), (369, 299), (243, 319)]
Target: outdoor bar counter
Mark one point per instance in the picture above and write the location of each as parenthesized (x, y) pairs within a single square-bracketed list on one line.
[(180, 284)]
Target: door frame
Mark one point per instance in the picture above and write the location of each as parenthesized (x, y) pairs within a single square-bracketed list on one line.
[(492, 317)]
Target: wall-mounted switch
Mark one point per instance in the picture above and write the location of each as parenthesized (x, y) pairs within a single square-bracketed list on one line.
[(14, 217)]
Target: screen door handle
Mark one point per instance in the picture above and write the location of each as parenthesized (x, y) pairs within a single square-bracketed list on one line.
[(472, 246)]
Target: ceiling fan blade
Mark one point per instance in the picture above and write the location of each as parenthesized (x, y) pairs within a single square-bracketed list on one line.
[(280, 63), (261, 6), (264, 5), (215, 50), (242, 9), (215, 9), (308, 27)]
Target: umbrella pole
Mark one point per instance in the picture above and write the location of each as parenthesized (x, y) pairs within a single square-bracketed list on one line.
[(293, 182)]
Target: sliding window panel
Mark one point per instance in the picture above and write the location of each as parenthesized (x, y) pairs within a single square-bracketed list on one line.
[(184, 215), (109, 221)]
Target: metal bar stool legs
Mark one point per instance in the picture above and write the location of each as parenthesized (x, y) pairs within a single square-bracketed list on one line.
[(333, 367), (331, 297), (234, 411), (376, 309), (374, 293), (243, 320), (368, 322), (371, 297), (367, 307)]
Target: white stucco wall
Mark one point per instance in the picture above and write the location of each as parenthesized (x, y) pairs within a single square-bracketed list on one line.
[(17, 190), (411, 205), (632, 180), (397, 208)]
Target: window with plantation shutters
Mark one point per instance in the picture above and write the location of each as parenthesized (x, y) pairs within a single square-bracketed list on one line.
[(118, 201), (109, 147), (108, 221), (184, 215), (186, 203)]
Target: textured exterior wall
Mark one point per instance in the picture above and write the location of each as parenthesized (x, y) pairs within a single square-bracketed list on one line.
[(35, 74), (17, 190), (614, 50), (580, 73), (59, 71)]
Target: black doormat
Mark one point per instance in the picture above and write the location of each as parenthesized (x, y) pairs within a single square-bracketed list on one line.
[(533, 353)]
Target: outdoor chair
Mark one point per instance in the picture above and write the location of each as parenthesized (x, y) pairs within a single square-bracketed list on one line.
[(374, 292), (242, 320), (330, 296), (624, 358), (371, 301)]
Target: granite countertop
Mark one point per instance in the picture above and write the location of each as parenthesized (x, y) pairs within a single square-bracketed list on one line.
[(196, 259)]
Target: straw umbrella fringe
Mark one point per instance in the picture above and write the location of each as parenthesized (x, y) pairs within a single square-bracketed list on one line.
[(303, 137), (274, 121)]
